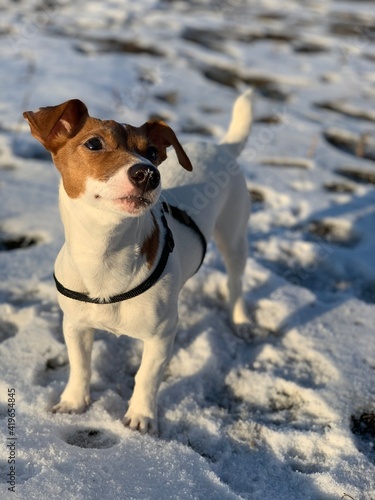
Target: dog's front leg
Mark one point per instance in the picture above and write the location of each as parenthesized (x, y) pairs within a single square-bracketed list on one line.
[(76, 395), (142, 411)]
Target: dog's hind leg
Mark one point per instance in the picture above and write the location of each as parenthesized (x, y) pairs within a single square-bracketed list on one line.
[(230, 235)]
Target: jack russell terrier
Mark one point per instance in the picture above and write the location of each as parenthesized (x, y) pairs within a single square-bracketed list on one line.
[(127, 253)]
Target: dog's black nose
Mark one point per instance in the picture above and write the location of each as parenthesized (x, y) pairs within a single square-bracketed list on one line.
[(144, 176)]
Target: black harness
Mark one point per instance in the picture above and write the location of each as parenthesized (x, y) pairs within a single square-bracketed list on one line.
[(178, 214)]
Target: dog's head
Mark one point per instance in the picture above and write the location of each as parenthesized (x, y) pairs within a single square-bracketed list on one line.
[(110, 165)]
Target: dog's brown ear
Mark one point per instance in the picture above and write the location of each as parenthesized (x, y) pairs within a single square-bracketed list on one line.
[(54, 124), (162, 136)]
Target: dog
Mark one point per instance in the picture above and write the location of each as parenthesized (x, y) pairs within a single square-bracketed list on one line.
[(129, 246)]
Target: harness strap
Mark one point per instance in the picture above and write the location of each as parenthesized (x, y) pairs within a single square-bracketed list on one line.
[(143, 287), (184, 218)]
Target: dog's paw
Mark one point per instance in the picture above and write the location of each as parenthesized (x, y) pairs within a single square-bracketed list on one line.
[(244, 325), (250, 331), (66, 406), (142, 423)]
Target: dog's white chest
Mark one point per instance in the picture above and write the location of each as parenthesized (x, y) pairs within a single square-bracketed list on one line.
[(135, 318)]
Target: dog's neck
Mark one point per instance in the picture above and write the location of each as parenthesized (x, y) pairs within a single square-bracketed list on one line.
[(104, 248)]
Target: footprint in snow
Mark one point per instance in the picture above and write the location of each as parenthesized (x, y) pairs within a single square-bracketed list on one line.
[(55, 369), (363, 428), (335, 231), (7, 330), (295, 360), (12, 242), (91, 438), (276, 402), (312, 463)]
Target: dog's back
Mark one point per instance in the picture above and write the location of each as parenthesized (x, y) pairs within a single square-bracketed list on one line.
[(216, 176)]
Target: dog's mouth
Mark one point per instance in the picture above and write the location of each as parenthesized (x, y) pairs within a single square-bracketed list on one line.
[(134, 203), (138, 200)]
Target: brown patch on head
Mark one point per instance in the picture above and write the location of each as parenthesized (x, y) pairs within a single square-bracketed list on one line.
[(76, 162), (66, 131), (150, 245)]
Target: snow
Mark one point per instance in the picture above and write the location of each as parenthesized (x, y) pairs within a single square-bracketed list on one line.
[(290, 416)]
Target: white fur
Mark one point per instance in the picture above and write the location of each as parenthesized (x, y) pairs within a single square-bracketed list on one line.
[(101, 256)]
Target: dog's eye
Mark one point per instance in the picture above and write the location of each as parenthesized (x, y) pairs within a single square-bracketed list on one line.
[(152, 153), (94, 144)]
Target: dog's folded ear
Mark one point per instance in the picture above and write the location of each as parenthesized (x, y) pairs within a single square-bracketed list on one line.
[(54, 124), (162, 136)]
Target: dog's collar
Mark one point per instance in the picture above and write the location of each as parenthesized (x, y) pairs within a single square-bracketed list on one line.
[(138, 290)]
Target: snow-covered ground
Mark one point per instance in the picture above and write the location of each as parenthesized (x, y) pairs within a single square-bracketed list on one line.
[(291, 416)]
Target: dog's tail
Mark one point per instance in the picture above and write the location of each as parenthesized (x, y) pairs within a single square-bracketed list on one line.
[(240, 125)]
